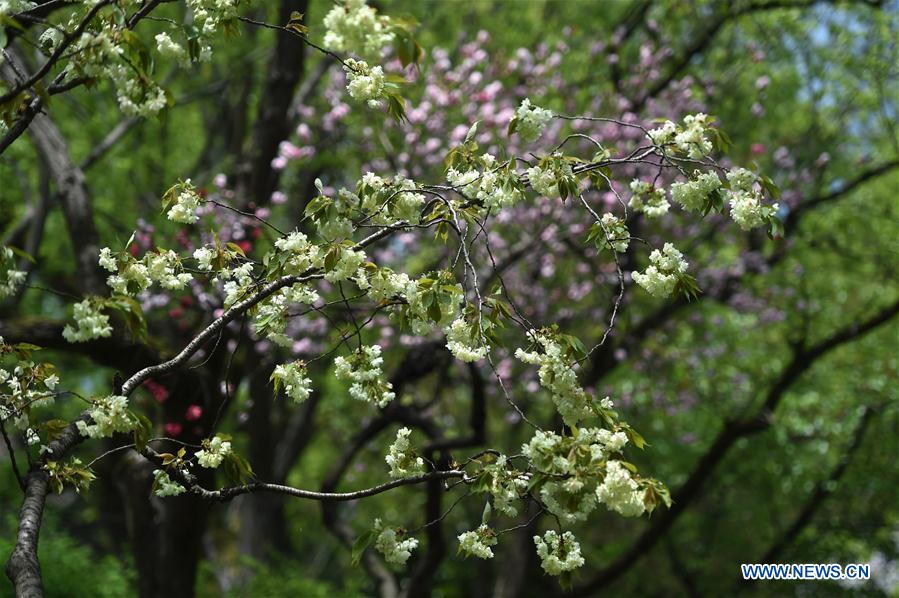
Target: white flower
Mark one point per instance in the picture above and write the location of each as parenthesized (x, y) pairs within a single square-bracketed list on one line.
[(558, 554), (165, 486), (648, 199), (692, 195), (107, 260), (692, 140), (532, 120), (108, 416), (663, 134), (292, 377), (496, 191), (31, 437), (161, 267), (660, 278), (363, 370), (401, 456), (506, 485), (346, 265), (545, 180), (364, 83), (354, 27), (745, 201), (389, 543), (186, 203), (477, 543), (14, 278), (90, 322), (214, 452), (169, 48), (614, 233), (557, 376), (462, 341), (746, 210), (620, 492), (51, 381), (204, 257)]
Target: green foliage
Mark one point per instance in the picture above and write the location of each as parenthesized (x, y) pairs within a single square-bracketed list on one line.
[(65, 563)]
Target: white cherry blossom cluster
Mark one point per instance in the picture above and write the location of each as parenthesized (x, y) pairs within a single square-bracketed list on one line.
[(213, 452), (478, 542), (293, 379), (572, 464), (90, 323), (204, 256), (557, 376), (363, 370), (388, 201), (495, 189), (131, 276), (347, 265), (108, 416), (393, 544), (620, 492), (356, 28), (665, 269), (745, 200), (692, 138), (166, 486), (186, 203), (14, 278), (303, 254), (364, 83), (100, 53), (506, 485), (11, 7), (270, 316), (663, 134), (545, 177), (614, 234), (531, 121), (462, 340), (169, 48), (693, 195), (383, 284), (238, 281), (648, 199), (417, 299), (402, 458), (25, 386), (558, 553)]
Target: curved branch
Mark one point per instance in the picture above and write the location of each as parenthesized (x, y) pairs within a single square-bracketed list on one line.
[(228, 493)]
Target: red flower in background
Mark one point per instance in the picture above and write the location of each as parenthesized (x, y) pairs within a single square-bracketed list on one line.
[(193, 413)]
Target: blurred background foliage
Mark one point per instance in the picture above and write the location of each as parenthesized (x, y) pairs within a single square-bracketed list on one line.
[(807, 93)]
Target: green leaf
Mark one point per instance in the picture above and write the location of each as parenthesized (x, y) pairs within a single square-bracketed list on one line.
[(296, 23), (396, 107), (513, 126), (472, 131), (485, 516), (142, 431), (361, 544), (236, 249), (22, 254)]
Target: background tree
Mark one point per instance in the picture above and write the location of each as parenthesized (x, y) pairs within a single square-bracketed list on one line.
[(760, 399)]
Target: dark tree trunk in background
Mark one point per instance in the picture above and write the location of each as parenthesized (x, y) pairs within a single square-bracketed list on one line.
[(257, 179), (263, 527)]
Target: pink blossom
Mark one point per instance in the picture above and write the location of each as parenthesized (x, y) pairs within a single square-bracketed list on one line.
[(193, 413)]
